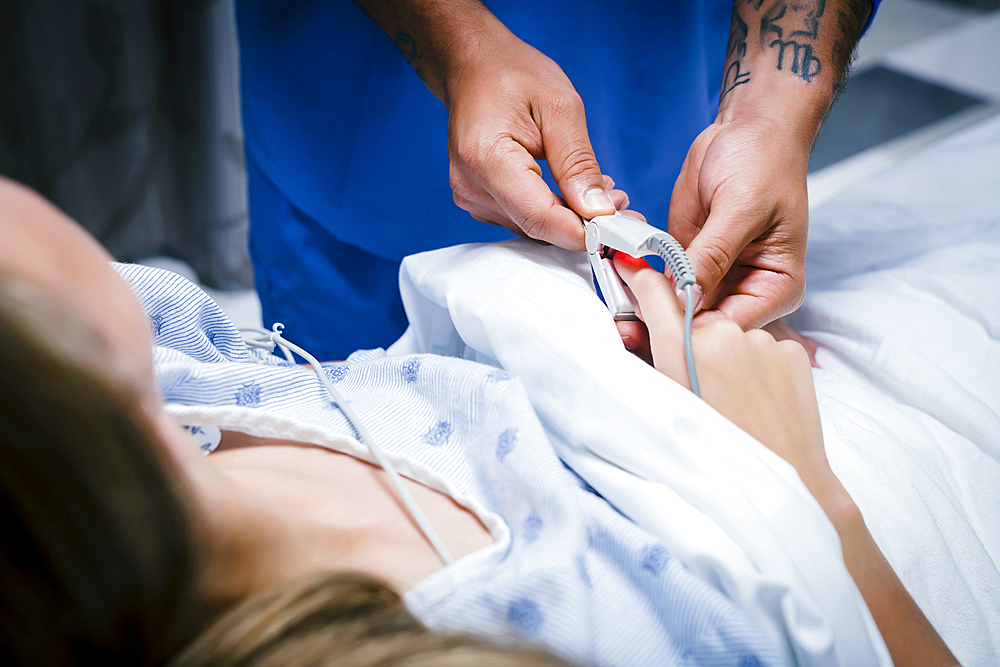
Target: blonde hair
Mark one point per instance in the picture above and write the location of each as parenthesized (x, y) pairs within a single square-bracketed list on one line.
[(99, 562), (342, 620)]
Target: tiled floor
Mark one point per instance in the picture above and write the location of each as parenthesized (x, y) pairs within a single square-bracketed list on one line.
[(926, 69)]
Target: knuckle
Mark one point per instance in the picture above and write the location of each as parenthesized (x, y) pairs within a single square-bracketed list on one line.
[(472, 150), (461, 192), (793, 352), (566, 103), (797, 293), (646, 280), (727, 328), (717, 260), (578, 160), (759, 338), (534, 224), (721, 335)]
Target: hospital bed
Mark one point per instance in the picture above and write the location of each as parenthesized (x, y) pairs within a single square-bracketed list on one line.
[(904, 302)]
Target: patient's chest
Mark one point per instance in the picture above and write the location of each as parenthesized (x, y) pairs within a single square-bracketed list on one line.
[(355, 498)]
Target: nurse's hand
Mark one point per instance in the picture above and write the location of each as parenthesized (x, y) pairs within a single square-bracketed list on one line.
[(740, 209), (739, 205), (508, 107)]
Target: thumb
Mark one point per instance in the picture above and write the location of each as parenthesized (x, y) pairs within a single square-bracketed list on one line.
[(714, 250), (571, 160)]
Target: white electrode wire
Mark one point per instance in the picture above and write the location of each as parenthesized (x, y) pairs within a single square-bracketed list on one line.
[(262, 342), (688, 350), (369, 442)]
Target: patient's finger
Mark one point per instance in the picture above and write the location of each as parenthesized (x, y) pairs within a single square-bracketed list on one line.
[(635, 338), (661, 312)]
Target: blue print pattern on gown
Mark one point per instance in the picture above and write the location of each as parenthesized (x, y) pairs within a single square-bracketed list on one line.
[(506, 443), (567, 570), (497, 376), (525, 616), (438, 434), (654, 558), (532, 526), (248, 395), (337, 372), (410, 368)]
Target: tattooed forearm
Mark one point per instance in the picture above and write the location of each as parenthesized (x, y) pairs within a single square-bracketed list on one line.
[(802, 60), (736, 51), (404, 42), (811, 21), (849, 27), (800, 20), (433, 35), (770, 23), (810, 39)]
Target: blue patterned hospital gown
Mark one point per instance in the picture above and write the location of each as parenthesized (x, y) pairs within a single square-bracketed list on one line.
[(566, 570)]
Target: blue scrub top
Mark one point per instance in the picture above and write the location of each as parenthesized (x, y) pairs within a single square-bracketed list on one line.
[(346, 145)]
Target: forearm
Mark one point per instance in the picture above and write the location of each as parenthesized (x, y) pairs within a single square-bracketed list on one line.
[(910, 637), (435, 36), (785, 60)]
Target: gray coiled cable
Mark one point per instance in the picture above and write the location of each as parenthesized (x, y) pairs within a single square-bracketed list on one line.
[(667, 247)]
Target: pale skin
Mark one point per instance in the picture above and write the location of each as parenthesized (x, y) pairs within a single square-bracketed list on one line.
[(765, 386), (267, 511), (739, 205)]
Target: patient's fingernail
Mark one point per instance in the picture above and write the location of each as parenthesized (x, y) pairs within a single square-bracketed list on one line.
[(597, 199), (629, 343), (695, 292)]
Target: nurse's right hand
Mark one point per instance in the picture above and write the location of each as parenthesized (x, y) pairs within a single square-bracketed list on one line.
[(508, 106)]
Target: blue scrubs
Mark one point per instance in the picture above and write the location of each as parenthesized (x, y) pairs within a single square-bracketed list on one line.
[(347, 150)]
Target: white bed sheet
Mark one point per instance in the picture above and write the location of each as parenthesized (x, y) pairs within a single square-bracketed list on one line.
[(904, 300)]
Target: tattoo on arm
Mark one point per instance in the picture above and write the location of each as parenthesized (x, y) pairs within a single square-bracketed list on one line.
[(812, 21), (849, 28), (404, 42), (737, 47), (790, 30), (769, 23)]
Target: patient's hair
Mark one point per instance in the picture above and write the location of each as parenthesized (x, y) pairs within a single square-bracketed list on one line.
[(342, 620), (97, 557), (99, 561)]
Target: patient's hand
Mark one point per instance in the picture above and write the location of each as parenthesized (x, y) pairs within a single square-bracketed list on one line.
[(762, 385), (765, 387)]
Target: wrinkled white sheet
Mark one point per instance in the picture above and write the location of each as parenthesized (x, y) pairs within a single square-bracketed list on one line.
[(725, 505), (904, 301)]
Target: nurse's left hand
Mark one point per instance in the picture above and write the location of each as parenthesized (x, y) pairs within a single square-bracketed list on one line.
[(740, 209)]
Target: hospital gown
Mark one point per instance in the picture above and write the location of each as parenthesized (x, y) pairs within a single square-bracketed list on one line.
[(566, 569)]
